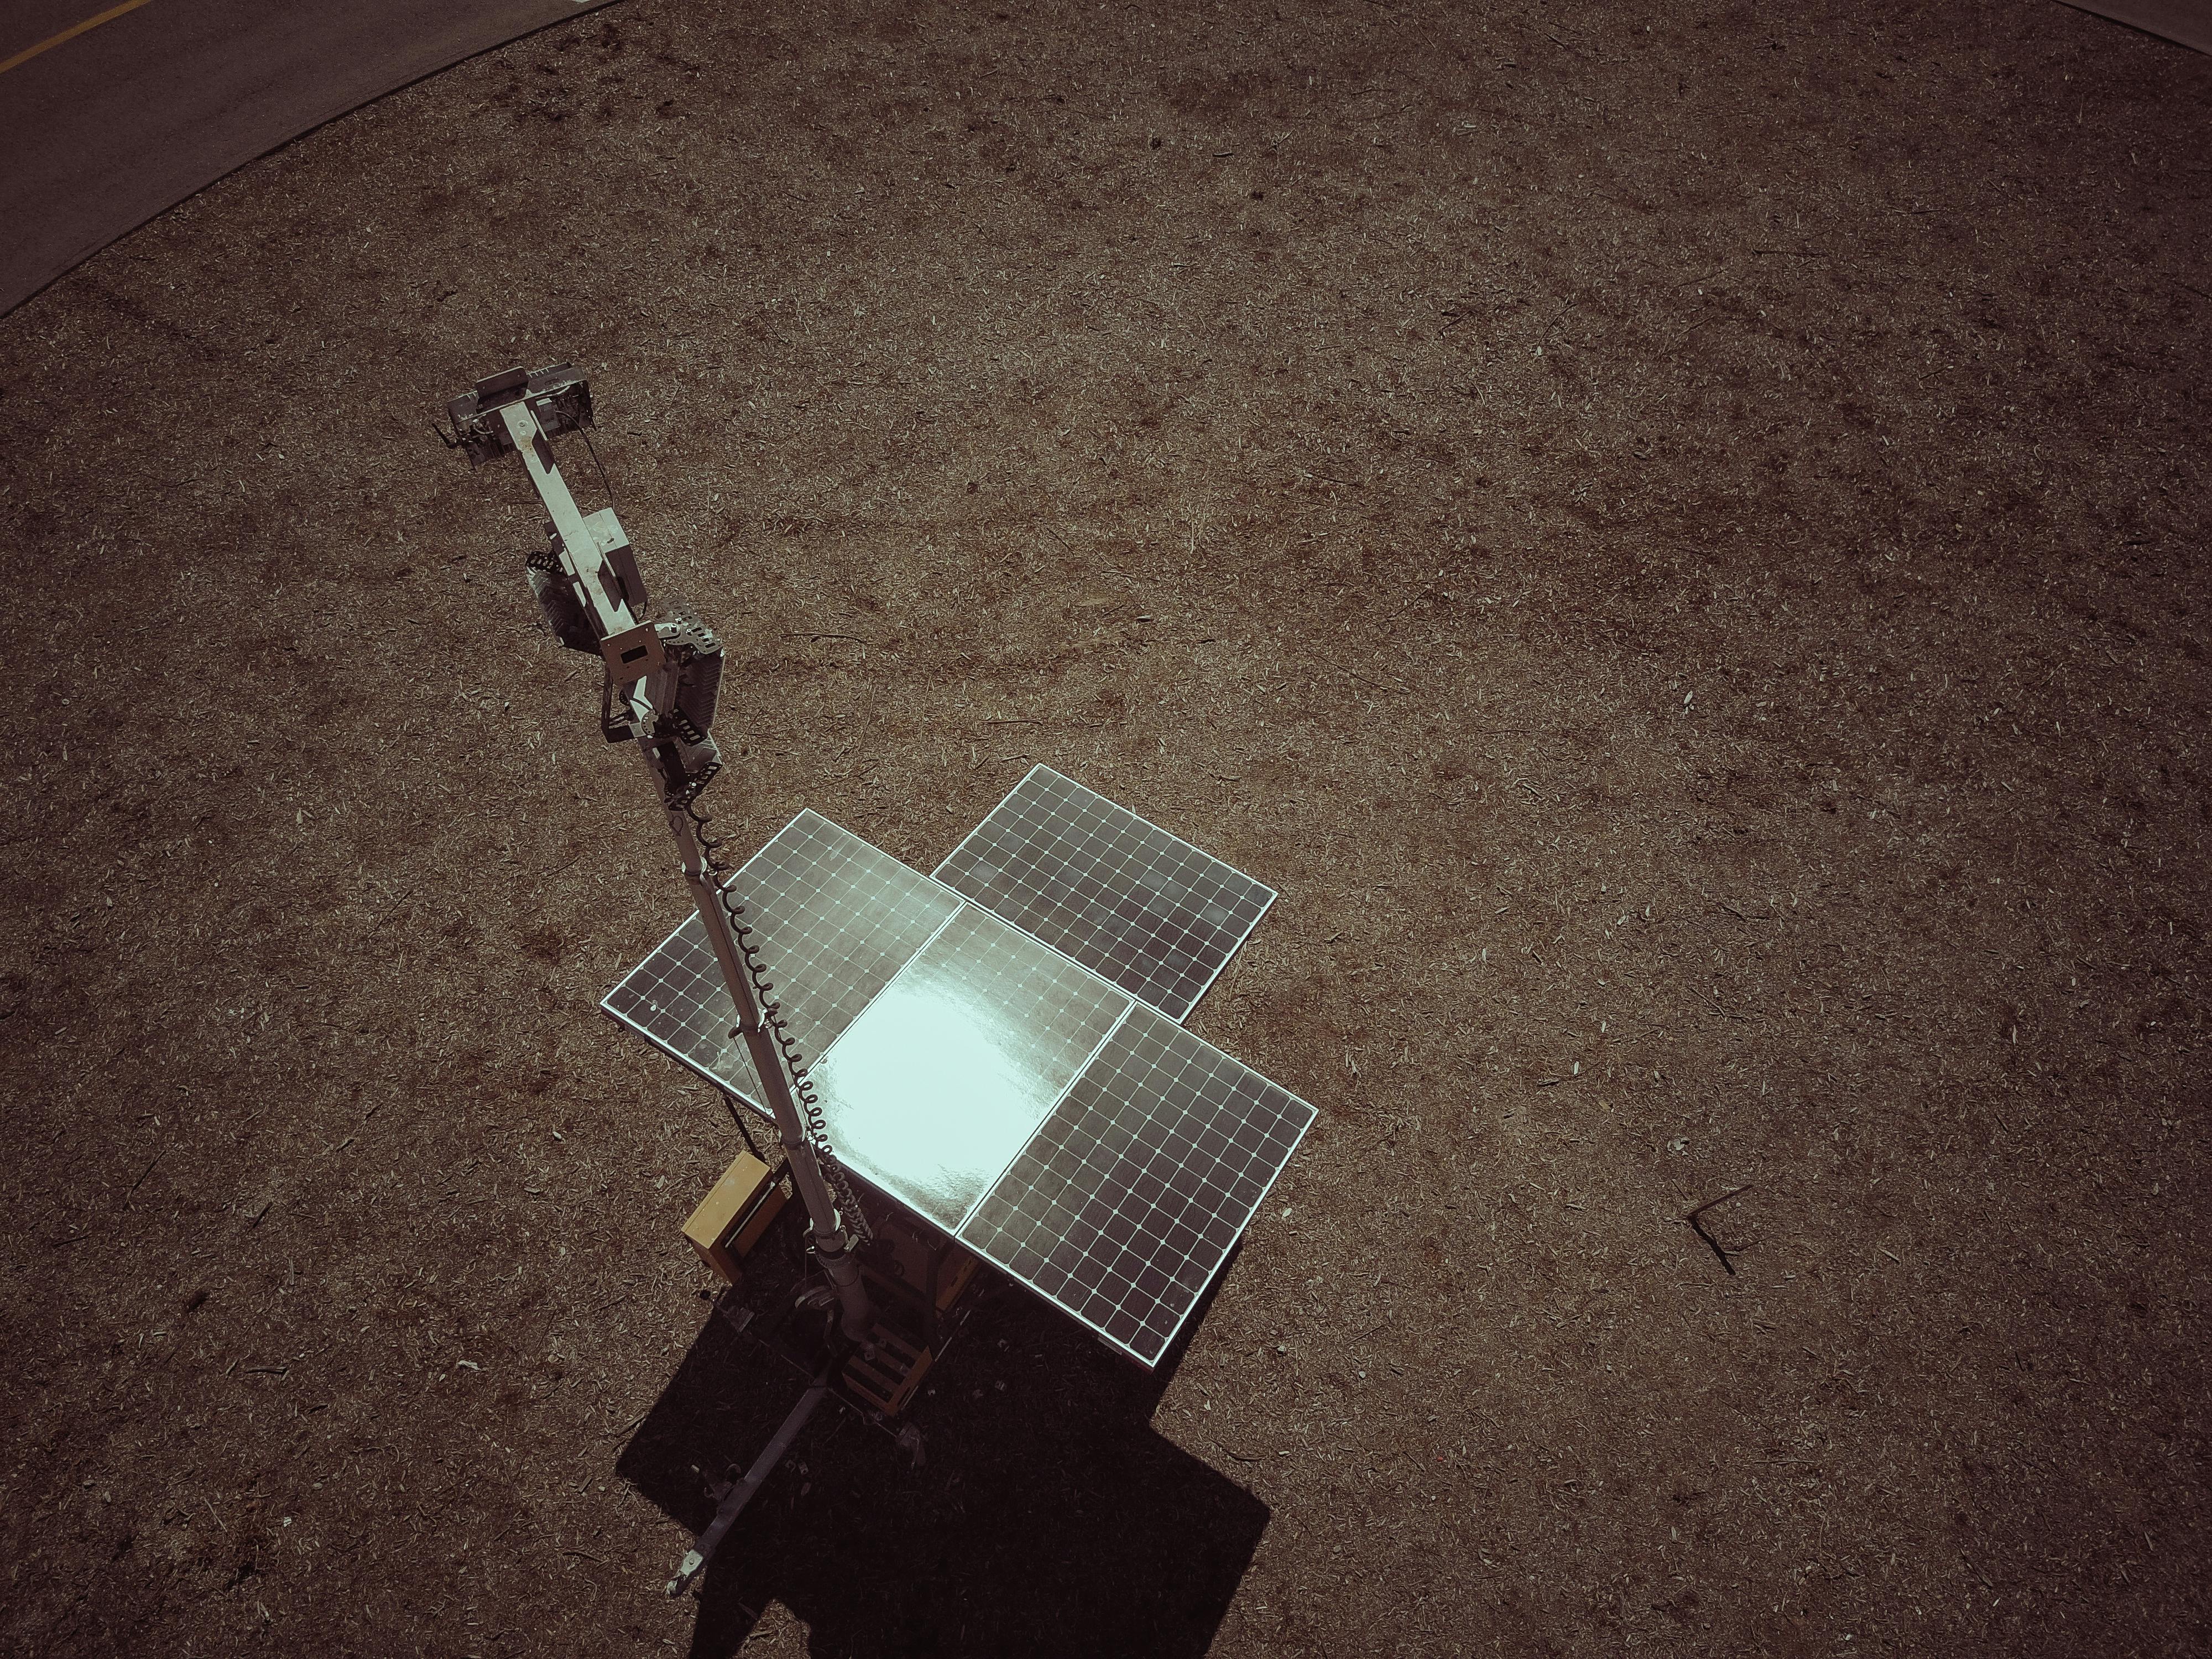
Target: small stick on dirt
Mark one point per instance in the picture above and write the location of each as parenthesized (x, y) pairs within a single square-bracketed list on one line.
[(143, 1173), (1696, 1218), (1394, 690), (393, 910)]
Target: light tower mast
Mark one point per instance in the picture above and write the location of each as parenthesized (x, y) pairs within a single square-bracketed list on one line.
[(661, 684)]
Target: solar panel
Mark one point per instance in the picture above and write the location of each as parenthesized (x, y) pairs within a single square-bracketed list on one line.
[(1080, 1138), (1119, 895), (836, 917), (1128, 1199)]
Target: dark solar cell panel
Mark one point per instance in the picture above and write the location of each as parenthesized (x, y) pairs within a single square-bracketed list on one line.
[(837, 919), (1098, 884), (1126, 1202)]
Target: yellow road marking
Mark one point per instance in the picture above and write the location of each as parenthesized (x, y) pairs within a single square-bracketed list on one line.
[(70, 33)]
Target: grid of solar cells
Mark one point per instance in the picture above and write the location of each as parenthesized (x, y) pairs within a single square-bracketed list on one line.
[(931, 1092), (1100, 885), (837, 919), (675, 999), (1128, 1199)]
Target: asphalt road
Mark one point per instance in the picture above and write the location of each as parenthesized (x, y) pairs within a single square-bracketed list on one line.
[(2189, 22), (105, 129), (109, 116)]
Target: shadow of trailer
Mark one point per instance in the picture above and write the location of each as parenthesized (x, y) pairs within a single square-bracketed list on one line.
[(1047, 1516)]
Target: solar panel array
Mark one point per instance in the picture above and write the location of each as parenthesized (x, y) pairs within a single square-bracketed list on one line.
[(1017, 1095), (1118, 894)]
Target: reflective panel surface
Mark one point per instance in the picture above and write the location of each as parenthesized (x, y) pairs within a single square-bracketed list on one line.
[(932, 1092)]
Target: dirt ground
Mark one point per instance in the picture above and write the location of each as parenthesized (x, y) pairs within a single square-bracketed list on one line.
[(1672, 535)]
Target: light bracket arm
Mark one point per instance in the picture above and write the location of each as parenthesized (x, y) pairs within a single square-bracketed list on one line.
[(631, 648)]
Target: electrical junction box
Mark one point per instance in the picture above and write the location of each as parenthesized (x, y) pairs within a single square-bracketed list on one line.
[(731, 1219)]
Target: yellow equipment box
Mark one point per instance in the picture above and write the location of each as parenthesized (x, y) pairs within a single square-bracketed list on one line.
[(731, 1219)]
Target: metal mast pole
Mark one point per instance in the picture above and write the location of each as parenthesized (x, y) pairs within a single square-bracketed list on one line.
[(642, 677), (831, 1246)]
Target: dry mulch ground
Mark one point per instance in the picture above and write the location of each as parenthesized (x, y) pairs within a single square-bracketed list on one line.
[(1673, 536)]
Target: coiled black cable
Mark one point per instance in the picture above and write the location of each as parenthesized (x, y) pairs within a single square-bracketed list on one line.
[(815, 1127)]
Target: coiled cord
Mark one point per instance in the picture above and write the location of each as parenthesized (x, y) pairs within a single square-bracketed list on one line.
[(815, 1127)]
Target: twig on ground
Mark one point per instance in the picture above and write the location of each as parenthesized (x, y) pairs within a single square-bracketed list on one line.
[(147, 1170), (1396, 690), (1696, 1218)]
